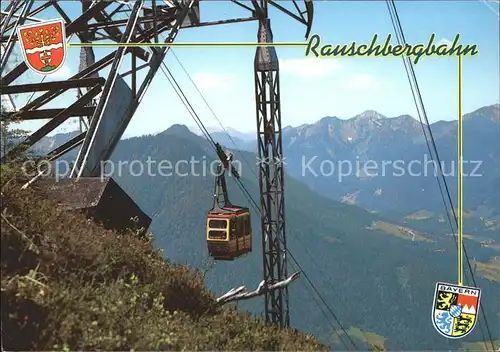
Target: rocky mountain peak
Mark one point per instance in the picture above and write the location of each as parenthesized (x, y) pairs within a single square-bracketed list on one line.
[(486, 113), (369, 115), (179, 130)]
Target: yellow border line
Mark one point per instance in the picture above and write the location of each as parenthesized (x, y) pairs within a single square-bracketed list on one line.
[(190, 44), (299, 44), (460, 176)]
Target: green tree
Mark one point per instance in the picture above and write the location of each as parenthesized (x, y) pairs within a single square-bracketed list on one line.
[(8, 134)]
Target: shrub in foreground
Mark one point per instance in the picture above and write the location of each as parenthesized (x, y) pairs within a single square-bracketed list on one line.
[(69, 284)]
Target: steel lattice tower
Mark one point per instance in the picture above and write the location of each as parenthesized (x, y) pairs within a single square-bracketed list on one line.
[(271, 176)]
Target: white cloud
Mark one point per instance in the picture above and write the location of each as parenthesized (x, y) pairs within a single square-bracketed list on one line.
[(309, 67), (211, 80), (63, 72), (363, 81), (444, 41)]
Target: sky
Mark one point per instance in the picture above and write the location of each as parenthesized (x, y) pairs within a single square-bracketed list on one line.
[(312, 88)]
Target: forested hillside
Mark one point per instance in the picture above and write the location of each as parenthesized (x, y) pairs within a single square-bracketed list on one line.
[(373, 279), (391, 169)]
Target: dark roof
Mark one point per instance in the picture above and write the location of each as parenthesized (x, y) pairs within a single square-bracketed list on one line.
[(86, 192), (100, 198), (228, 210)]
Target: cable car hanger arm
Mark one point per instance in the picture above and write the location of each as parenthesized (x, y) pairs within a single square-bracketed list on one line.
[(240, 293), (226, 158)]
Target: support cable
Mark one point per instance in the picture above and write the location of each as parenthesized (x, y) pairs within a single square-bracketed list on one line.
[(253, 172), (318, 304), (194, 115), (200, 124), (419, 104)]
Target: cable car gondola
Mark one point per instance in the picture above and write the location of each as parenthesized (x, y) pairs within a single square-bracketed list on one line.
[(229, 230)]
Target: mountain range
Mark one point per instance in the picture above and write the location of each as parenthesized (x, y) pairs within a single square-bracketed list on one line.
[(375, 146), (226, 135), (377, 268), (378, 274), (384, 164)]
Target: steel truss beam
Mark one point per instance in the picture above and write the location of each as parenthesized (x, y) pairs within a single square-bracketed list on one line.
[(96, 120), (153, 21), (82, 78)]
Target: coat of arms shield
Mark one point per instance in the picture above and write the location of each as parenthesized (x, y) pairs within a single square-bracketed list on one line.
[(455, 309), (43, 45)]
